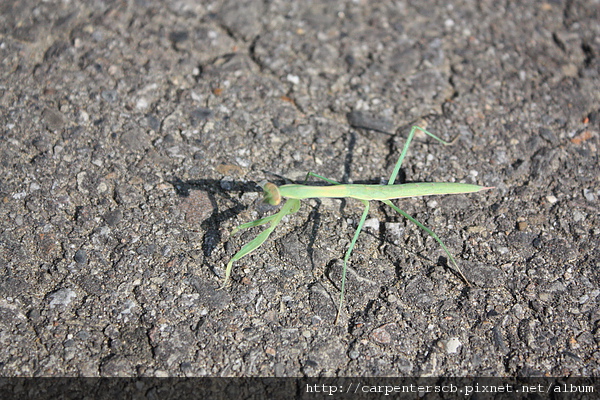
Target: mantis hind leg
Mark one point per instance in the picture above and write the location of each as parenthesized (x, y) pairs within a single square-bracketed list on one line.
[(432, 234), (407, 216), (405, 150)]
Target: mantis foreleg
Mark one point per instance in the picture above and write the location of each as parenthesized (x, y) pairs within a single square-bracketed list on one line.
[(253, 223), (290, 207)]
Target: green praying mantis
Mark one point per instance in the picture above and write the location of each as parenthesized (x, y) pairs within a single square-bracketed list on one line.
[(364, 193)]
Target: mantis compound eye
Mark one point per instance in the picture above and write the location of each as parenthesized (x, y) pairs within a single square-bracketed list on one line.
[(272, 195)]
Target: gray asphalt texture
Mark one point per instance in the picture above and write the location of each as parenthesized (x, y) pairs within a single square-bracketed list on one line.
[(133, 134)]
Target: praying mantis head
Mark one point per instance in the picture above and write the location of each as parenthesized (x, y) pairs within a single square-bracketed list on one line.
[(271, 195)]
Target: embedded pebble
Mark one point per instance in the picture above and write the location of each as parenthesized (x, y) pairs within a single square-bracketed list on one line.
[(372, 223), (293, 78), (452, 345), (578, 216), (551, 199), (589, 195), (395, 229), (381, 335), (62, 297)]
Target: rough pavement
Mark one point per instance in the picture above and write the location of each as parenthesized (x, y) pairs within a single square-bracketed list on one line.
[(134, 132)]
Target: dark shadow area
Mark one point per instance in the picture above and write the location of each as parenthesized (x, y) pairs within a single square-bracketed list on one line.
[(214, 188)]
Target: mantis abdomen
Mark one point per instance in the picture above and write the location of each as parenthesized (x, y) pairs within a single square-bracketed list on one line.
[(376, 192)]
